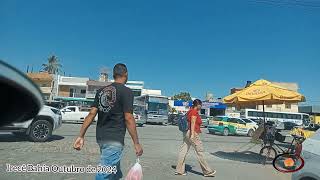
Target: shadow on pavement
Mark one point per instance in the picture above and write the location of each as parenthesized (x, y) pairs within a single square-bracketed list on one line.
[(189, 170), (16, 138), (245, 156)]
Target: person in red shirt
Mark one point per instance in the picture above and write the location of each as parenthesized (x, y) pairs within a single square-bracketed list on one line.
[(191, 138)]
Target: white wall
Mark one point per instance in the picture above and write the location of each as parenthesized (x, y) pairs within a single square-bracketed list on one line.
[(150, 92)]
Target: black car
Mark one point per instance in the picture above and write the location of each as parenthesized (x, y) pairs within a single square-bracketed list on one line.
[(289, 125), (173, 118)]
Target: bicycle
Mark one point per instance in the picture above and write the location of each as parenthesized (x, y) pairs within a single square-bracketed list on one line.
[(270, 150)]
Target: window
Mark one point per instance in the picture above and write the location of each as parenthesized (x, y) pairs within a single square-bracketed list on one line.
[(259, 114), (288, 106), (252, 113), (158, 108), (233, 120), (305, 117), (279, 115), (247, 120), (275, 115), (217, 118), (136, 93), (203, 116), (72, 109), (83, 91), (239, 121), (268, 114)]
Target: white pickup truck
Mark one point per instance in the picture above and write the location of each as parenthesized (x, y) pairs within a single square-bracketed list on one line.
[(75, 114)]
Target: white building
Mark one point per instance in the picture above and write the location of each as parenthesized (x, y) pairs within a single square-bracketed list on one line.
[(71, 87)]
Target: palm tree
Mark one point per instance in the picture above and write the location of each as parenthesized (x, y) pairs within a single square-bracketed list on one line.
[(53, 66)]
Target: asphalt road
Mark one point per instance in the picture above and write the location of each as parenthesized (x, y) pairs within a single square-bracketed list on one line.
[(233, 157)]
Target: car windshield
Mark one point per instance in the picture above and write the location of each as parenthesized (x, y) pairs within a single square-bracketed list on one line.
[(247, 120), (218, 118)]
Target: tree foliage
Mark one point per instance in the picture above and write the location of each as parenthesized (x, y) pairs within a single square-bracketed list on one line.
[(182, 96), (52, 66)]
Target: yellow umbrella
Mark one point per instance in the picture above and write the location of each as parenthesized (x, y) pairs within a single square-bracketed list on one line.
[(263, 92)]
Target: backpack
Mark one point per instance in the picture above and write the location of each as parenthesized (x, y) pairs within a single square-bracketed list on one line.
[(183, 123)]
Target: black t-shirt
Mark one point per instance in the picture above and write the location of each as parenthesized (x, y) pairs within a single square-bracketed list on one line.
[(112, 102)]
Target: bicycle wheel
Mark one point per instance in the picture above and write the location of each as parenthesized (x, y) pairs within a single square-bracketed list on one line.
[(268, 153), (288, 163)]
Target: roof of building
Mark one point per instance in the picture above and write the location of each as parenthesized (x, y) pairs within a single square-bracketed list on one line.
[(44, 76), (97, 83)]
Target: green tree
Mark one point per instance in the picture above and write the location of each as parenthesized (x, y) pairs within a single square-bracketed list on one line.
[(53, 66), (182, 96)]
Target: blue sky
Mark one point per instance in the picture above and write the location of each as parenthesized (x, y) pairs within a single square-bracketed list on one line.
[(194, 46)]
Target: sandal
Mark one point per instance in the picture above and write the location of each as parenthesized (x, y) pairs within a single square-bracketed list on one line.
[(179, 174), (210, 174)]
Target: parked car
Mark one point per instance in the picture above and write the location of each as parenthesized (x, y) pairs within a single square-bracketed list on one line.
[(205, 120), (311, 155), (250, 123), (139, 121), (38, 129), (173, 119), (75, 114), (230, 126), (289, 125)]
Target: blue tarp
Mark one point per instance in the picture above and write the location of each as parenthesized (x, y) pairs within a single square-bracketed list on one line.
[(215, 105), (182, 103)]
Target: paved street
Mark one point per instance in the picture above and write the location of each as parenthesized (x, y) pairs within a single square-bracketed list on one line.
[(160, 144)]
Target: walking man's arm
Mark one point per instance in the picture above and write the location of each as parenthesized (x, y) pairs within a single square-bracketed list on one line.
[(131, 126), (79, 142)]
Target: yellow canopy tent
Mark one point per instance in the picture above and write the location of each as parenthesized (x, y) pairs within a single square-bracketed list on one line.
[(263, 92)]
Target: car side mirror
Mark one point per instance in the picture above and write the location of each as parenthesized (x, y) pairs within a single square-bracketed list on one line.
[(24, 95)]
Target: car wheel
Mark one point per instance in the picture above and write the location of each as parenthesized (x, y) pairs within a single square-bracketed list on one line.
[(40, 131), (226, 132), (250, 133), (165, 124)]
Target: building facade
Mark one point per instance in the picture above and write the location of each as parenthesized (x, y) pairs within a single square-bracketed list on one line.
[(71, 88), (74, 89), (44, 81), (93, 86)]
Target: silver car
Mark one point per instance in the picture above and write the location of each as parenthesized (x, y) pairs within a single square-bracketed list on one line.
[(311, 156)]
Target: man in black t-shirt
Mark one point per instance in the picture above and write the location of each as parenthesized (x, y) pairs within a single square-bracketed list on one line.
[(114, 106)]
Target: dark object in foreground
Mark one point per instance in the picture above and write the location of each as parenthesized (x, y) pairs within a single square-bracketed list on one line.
[(21, 98)]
